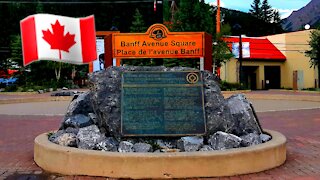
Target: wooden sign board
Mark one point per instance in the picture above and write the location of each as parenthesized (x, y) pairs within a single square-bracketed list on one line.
[(158, 42)]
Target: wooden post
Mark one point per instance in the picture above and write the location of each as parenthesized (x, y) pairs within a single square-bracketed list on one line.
[(208, 53)]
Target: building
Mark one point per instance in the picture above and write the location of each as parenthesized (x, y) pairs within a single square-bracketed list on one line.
[(272, 62)]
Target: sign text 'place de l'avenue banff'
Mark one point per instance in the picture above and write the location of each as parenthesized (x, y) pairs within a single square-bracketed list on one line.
[(162, 104)]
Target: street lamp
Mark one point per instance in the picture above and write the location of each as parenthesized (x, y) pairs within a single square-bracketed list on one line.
[(237, 28)]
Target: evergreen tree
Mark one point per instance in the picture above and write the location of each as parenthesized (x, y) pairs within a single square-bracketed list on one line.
[(266, 11), (16, 51), (191, 16), (166, 11), (275, 18), (138, 24), (256, 10), (314, 52)]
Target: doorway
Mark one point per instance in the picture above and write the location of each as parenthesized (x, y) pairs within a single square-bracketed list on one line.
[(250, 77), (272, 75)]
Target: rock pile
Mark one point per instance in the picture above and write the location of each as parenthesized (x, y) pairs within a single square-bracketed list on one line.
[(93, 119)]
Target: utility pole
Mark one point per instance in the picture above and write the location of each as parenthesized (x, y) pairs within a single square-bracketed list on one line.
[(240, 60), (237, 28), (158, 10), (218, 23)]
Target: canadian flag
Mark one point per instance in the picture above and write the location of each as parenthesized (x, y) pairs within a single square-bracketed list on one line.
[(58, 38)]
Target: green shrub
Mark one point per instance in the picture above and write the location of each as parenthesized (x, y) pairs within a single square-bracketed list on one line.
[(11, 88), (227, 86)]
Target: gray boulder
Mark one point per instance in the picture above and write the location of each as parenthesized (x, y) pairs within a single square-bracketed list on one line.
[(80, 105), (212, 92), (221, 141), (93, 117), (166, 144), (243, 116), (72, 130), (105, 86), (77, 121), (125, 146), (66, 139), (53, 136), (142, 147), (88, 137), (108, 144), (190, 143), (250, 139), (265, 137), (206, 148), (219, 119), (63, 93)]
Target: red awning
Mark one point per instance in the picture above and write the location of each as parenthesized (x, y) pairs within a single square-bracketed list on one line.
[(260, 48)]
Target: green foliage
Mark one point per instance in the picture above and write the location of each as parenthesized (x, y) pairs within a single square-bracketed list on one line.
[(276, 17), (267, 11), (193, 16), (221, 52), (166, 11), (314, 52), (138, 24), (16, 51), (250, 25), (264, 12), (256, 10), (227, 86)]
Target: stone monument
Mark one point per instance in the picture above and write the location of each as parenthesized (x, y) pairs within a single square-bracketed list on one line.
[(158, 109)]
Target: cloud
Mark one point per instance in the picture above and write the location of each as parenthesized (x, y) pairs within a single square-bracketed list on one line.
[(214, 3), (284, 13)]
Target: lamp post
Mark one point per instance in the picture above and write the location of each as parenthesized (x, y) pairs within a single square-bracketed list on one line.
[(237, 28)]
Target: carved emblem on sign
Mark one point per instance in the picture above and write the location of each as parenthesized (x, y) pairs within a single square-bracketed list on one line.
[(192, 78), (158, 33)]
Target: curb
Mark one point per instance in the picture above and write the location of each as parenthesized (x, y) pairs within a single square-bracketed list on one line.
[(35, 99), (73, 161)]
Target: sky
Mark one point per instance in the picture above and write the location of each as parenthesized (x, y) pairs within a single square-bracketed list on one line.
[(285, 7)]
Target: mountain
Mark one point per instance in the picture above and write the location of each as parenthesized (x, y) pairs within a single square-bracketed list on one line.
[(309, 14)]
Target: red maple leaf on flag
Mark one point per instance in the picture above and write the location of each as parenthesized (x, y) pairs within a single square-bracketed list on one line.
[(57, 39)]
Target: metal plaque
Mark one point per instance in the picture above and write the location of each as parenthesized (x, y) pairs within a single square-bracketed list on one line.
[(162, 104)]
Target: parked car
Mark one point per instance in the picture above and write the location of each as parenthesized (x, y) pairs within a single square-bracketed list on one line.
[(8, 82), (11, 81)]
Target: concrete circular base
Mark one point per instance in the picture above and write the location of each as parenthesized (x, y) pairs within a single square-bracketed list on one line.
[(72, 161)]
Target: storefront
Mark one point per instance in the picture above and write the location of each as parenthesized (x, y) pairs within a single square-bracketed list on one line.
[(271, 62)]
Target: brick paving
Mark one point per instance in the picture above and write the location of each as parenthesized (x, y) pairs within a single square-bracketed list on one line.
[(301, 127)]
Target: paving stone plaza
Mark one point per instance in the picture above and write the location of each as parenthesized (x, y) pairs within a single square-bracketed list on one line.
[(294, 114)]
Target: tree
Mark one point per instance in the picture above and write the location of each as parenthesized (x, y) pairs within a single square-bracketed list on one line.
[(275, 18), (221, 52), (314, 52), (266, 11), (191, 16), (16, 51), (138, 24), (256, 10)]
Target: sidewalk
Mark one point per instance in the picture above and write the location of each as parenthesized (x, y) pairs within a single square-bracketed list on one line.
[(22, 97), (301, 127)]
